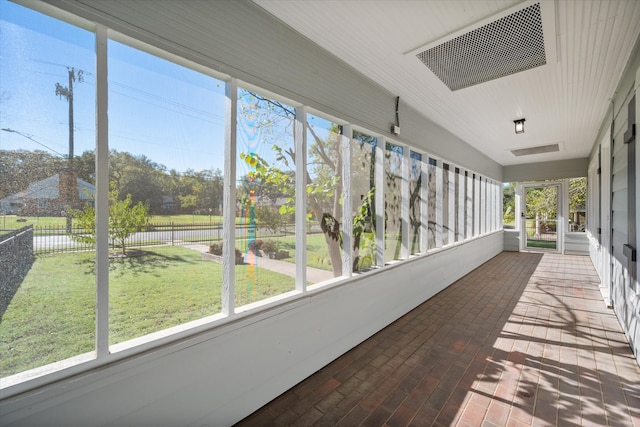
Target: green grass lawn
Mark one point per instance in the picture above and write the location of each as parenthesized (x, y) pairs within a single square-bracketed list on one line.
[(51, 317), (317, 253)]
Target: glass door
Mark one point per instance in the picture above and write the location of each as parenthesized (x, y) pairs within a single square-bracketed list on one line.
[(540, 225)]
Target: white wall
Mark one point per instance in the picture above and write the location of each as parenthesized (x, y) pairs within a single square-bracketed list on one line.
[(221, 376), (624, 294), (559, 169)]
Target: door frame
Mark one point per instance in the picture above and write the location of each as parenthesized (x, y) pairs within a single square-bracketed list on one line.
[(560, 216)]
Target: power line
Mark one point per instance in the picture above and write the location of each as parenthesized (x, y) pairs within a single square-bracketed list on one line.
[(29, 137)]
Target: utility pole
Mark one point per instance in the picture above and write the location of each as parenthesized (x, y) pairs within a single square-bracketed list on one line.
[(67, 93), (68, 187)]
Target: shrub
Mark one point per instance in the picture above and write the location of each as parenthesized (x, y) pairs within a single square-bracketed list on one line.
[(216, 249), (269, 247)]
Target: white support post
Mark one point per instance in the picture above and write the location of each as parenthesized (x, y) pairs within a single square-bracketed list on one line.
[(347, 203), (490, 206), (461, 201), (424, 204), (229, 199), (476, 205), (300, 142), (451, 220), (500, 206), (439, 205), (468, 223), (562, 225), (404, 207), (102, 194), (483, 205), (379, 200)]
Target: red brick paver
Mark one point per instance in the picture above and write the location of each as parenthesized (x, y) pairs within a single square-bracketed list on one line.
[(523, 340)]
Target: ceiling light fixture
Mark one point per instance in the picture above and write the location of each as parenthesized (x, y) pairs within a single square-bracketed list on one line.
[(519, 125)]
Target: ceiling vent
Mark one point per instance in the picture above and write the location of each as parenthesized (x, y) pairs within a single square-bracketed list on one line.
[(536, 150), (505, 44)]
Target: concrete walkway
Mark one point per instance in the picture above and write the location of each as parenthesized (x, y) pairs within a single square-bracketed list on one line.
[(314, 275)]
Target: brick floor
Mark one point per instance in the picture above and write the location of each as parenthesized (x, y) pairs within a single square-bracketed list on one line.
[(524, 340)]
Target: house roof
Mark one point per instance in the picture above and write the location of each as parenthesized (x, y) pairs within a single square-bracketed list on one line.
[(49, 188)]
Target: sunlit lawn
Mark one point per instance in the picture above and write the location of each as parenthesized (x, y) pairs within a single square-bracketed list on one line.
[(51, 316), (317, 252)]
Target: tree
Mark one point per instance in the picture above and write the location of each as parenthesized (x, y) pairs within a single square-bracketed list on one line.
[(509, 202), (19, 168), (324, 168), (125, 218), (138, 176)]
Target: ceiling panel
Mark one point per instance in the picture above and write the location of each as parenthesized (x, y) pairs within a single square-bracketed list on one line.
[(563, 102)]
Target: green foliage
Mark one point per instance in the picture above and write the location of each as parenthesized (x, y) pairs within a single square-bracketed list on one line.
[(51, 317), (577, 194), (19, 168), (125, 218), (509, 203)]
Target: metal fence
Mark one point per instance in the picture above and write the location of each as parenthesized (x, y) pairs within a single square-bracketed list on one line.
[(542, 234), (57, 239)]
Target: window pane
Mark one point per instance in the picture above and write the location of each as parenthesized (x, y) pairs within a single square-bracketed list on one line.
[(432, 202), (47, 282), (363, 162), (459, 189), (324, 195), (446, 224), (166, 135), (415, 209), (577, 204), (509, 205), (265, 198), (393, 201)]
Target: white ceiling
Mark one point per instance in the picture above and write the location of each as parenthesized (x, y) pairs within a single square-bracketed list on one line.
[(563, 102)]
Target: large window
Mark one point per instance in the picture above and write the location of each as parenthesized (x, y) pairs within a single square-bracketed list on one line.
[(392, 201), (415, 202), (265, 194), (363, 149), (166, 130), (200, 196), (578, 204), (325, 141), (433, 205), (509, 205), (47, 115)]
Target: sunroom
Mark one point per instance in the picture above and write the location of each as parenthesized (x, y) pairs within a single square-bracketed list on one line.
[(274, 182)]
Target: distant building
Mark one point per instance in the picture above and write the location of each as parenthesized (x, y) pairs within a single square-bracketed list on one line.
[(50, 197)]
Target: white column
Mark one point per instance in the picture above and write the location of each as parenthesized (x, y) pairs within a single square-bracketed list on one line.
[(476, 205), (102, 195), (300, 141), (483, 205), (379, 200), (439, 200), (347, 202), (229, 198)]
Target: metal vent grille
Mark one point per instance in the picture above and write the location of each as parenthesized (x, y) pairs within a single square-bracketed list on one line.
[(506, 46), (536, 150)]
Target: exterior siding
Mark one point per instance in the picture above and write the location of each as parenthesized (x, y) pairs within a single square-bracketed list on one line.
[(611, 263)]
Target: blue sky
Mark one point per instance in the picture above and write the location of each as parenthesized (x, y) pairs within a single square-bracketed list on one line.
[(169, 113)]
